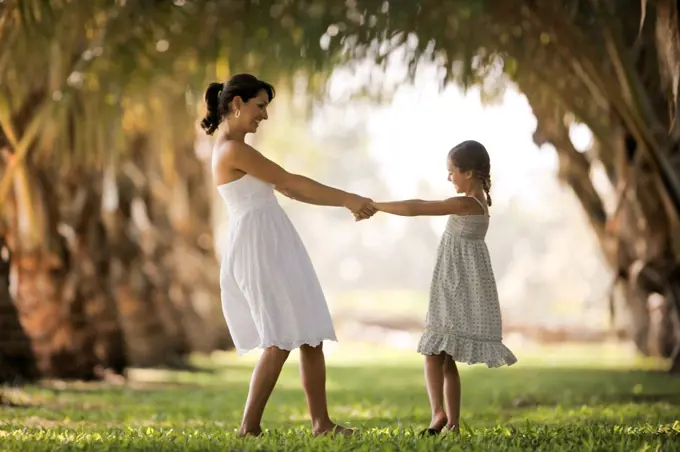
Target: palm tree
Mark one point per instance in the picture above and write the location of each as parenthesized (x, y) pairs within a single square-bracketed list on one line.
[(92, 279), (589, 61), (104, 203)]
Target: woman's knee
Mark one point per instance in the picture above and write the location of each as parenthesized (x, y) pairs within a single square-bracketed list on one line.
[(276, 353), (310, 349)]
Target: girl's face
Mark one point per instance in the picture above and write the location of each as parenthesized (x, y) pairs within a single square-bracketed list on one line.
[(460, 180)]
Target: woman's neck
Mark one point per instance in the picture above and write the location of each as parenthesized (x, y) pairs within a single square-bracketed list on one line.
[(233, 135)]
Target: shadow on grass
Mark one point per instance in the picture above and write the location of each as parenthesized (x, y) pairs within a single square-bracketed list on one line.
[(515, 387), (14, 405), (579, 408), (399, 390), (523, 386)]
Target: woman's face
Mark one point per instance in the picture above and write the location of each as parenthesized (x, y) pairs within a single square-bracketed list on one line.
[(252, 112)]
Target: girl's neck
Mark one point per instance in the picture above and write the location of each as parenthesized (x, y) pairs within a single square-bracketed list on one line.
[(476, 192)]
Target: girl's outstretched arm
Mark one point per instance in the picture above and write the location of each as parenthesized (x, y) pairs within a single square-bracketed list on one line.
[(458, 205)]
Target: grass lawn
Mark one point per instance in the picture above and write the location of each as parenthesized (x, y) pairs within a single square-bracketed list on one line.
[(567, 398)]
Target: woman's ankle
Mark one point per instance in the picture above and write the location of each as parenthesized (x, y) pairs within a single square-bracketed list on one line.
[(250, 430), (322, 423)]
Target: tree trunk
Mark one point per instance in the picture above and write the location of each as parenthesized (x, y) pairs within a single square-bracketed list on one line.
[(16, 357), (17, 362), (51, 314), (670, 340), (637, 239), (148, 320), (135, 285), (58, 269), (196, 283), (89, 253), (165, 273)]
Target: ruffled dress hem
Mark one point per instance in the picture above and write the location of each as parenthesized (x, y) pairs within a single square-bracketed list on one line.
[(467, 350), (286, 345)]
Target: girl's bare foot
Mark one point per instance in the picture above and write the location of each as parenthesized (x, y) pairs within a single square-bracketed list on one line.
[(453, 428), (333, 429), (437, 423)]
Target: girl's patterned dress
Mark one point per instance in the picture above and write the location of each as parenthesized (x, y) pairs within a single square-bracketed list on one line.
[(464, 316)]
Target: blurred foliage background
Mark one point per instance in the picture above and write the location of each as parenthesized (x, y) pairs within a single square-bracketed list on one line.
[(109, 223)]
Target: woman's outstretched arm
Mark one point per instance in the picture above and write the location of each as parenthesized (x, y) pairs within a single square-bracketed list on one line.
[(248, 160)]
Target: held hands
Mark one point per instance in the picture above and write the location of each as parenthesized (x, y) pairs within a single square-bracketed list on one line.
[(358, 217), (374, 208), (362, 208)]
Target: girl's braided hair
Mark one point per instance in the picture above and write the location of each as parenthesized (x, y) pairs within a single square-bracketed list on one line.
[(471, 155)]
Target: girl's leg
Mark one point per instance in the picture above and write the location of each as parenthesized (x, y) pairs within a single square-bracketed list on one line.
[(452, 393), (262, 382), (313, 376), (434, 378)]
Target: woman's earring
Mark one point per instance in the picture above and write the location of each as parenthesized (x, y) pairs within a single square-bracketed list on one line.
[(238, 113)]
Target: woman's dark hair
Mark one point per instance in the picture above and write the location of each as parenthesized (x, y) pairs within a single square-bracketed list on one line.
[(471, 155), (218, 96)]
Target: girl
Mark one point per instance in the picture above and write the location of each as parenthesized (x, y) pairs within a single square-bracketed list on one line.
[(464, 319)]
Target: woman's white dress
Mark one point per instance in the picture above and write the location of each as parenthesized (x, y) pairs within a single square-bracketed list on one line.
[(271, 295)]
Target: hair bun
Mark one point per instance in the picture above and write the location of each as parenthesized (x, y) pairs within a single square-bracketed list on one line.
[(210, 124), (219, 87), (212, 95), (212, 103)]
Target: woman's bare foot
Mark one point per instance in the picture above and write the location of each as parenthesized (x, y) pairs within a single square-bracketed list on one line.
[(249, 431), (333, 429)]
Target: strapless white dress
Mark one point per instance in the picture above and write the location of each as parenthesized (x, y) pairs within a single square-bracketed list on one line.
[(271, 295)]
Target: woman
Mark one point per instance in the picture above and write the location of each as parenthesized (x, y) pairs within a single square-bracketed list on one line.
[(271, 296)]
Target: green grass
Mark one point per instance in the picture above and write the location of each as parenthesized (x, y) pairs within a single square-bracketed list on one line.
[(566, 398)]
